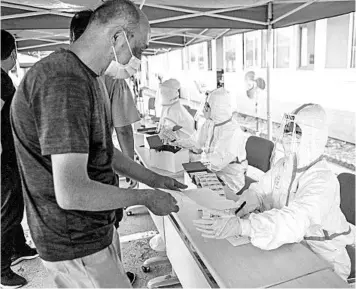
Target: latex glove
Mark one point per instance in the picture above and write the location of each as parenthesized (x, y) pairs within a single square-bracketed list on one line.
[(164, 182), (251, 205), (167, 135), (219, 228), (196, 151)]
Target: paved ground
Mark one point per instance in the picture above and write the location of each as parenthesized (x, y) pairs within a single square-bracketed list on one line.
[(135, 246), (135, 252)]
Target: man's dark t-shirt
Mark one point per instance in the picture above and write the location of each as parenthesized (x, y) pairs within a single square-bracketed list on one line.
[(57, 109)]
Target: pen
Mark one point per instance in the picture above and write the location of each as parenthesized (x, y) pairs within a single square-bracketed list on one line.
[(240, 208)]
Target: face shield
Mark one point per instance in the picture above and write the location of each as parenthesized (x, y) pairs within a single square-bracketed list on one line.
[(288, 138)]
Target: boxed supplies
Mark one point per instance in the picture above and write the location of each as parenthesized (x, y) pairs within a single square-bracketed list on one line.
[(197, 174), (166, 157), (169, 159), (144, 134)]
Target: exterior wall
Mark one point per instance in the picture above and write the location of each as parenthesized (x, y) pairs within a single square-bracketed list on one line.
[(328, 77)]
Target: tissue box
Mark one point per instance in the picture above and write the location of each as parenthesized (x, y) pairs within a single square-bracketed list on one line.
[(169, 160)]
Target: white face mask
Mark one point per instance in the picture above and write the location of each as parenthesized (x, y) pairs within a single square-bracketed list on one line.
[(121, 71), (290, 144)]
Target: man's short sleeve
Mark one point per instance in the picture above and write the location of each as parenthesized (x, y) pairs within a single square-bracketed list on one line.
[(123, 109), (62, 114)]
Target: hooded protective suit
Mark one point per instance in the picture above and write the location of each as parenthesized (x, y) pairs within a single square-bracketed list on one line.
[(173, 112), (300, 198), (224, 141)]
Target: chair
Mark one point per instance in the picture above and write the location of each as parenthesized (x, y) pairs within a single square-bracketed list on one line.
[(258, 155), (347, 205)]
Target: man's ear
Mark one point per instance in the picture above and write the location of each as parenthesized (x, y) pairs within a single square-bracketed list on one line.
[(118, 38)]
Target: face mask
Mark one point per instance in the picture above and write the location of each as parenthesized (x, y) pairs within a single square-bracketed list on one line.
[(290, 144), (120, 71), (207, 110)]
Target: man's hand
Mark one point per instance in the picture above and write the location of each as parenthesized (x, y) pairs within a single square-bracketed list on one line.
[(163, 182), (161, 203)]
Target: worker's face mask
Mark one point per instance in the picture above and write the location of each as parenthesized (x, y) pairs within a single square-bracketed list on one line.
[(123, 71), (291, 138), (207, 110)]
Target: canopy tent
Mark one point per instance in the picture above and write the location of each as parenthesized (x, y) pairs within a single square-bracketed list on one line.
[(43, 24)]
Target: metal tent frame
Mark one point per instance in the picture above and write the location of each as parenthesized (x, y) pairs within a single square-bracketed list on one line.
[(44, 24)]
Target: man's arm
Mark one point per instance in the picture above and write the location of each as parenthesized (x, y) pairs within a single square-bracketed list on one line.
[(129, 168), (74, 190), (125, 137)]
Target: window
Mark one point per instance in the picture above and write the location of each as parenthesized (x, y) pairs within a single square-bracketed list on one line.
[(182, 53), (337, 42), (233, 52), (306, 45), (303, 46), (230, 47), (283, 41), (253, 49), (210, 56), (353, 46), (185, 58), (198, 56), (264, 49)]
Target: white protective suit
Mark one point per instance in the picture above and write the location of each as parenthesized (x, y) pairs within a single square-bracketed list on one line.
[(224, 141), (173, 112), (300, 199)]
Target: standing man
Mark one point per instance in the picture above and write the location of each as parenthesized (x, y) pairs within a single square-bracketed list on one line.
[(64, 144), (13, 243), (121, 110)]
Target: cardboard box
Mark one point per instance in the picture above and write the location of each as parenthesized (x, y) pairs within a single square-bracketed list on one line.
[(168, 160)]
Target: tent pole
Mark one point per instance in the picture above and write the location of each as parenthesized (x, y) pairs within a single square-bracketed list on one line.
[(269, 64)]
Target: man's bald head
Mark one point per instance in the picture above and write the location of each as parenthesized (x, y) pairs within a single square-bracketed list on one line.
[(117, 12), (117, 29)]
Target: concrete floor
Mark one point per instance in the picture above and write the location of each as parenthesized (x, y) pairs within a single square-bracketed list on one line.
[(135, 250)]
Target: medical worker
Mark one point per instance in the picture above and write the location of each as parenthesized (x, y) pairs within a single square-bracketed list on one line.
[(174, 113), (223, 141), (299, 198)]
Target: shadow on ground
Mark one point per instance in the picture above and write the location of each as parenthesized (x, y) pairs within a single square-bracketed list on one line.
[(134, 253)]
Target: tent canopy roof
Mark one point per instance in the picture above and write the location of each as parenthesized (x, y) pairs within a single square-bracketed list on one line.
[(44, 24)]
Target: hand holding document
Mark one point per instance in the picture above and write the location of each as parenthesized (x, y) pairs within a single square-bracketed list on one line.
[(212, 205)]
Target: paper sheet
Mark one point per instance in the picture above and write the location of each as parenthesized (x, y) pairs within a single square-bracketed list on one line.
[(206, 198), (209, 199)]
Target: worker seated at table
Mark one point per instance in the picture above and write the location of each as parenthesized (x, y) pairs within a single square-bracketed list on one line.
[(222, 141), (298, 198), (176, 123)]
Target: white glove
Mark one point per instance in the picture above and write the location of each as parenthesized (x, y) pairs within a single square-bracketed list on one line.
[(252, 203), (167, 135), (219, 228)]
